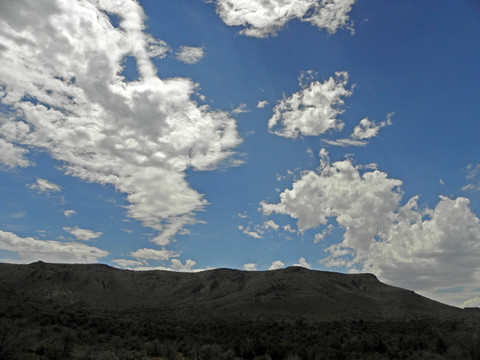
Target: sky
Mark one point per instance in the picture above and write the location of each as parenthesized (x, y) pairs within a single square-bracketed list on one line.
[(338, 135)]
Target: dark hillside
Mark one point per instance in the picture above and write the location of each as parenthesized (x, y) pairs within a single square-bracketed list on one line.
[(92, 312), (286, 293)]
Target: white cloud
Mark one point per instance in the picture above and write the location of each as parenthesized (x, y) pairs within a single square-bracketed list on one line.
[(12, 156), (255, 233), (83, 234), (288, 228), (251, 233), (362, 203), (472, 177), (30, 249), (474, 302), (405, 245), (277, 264), (430, 249), (190, 55), (125, 263), (42, 185), (303, 263), (242, 108), (320, 236), (265, 18), (69, 213), (345, 142), (250, 267), (152, 254), (366, 129), (313, 110), (262, 104), (157, 48), (178, 266), (175, 265), (61, 76), (18, 215), (270, 224)]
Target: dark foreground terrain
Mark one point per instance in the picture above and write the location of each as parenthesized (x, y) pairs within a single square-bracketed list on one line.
[(58, 311)]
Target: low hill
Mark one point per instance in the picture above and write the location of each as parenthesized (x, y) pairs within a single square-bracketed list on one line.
[(293, 292)]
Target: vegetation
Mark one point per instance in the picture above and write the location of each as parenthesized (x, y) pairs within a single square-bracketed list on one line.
[(33, 330), (52, 312)]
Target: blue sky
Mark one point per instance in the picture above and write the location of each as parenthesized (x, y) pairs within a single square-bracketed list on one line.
[(185, 135)]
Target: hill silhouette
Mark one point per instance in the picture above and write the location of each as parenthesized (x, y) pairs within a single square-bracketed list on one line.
[(278, 294), (80, 311)]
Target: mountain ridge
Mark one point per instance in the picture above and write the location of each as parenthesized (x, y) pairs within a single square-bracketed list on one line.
[(292, 292)]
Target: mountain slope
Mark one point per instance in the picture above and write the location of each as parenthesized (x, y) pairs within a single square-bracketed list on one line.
[(287, 293)]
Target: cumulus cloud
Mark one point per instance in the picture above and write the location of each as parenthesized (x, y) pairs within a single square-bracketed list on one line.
[(250, 267), (190, 55), (61, 78), (303, 263), (30, 249), (418, 248), (431, 248), (42, 185), (82, 234), (313, 110), (277, 264), (176, 265), (362, 203), (265, 18)]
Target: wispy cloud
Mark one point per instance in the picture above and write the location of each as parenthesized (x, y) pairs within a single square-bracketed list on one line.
[(472, 178), (69, 213), (190, 55), (153, 254), (248, 231), (364, 131), (45, 186), (242, 108)]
